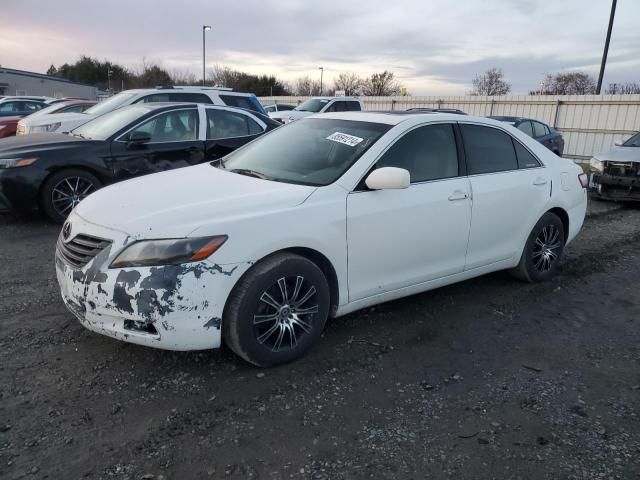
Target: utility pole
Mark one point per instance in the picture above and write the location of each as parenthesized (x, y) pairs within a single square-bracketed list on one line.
[(109, 73), (321, 72), (205, 28), (606, 46)]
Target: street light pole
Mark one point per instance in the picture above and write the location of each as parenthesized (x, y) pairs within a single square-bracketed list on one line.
[(606, 46), (204, 29), (321, 72)]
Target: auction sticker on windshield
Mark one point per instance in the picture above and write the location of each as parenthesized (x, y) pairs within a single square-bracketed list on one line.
[(345, 138)]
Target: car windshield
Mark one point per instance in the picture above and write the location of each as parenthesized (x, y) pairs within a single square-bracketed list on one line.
[(633, 141), (111, 104), (312, 105), (110, 123), (312, 151)]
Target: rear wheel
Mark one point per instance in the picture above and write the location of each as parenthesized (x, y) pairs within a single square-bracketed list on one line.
[(63, 190), (542, 251), (277, 311)]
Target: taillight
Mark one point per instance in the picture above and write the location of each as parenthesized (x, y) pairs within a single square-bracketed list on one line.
[(583, 179)]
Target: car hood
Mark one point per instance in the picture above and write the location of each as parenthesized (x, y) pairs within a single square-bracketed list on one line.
[(70, 117), (173, 204), (620, 154), (8, 120), (289, 115), (38, 142)]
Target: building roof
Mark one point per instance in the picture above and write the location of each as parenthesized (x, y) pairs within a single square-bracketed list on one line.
[(43, 76)]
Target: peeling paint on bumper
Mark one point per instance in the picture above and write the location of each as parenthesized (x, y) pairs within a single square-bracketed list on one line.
[(174, 307)]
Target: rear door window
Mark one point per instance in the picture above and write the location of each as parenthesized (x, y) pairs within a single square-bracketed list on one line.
[(9, 107), (353, 106), (525, 158), (226, 124), (155, 97), (488, 150)]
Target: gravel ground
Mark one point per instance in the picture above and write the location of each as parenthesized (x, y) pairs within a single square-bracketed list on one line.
[(490, 378)]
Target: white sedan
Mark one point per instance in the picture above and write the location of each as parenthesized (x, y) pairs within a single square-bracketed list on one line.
[(322, 217)]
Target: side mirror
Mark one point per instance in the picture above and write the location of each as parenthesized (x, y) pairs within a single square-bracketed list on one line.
[(618, 144), (137, 139), (388, 178)]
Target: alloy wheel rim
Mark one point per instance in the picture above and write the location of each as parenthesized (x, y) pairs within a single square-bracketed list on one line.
[(69, 192), (286, 313), (546, 248)]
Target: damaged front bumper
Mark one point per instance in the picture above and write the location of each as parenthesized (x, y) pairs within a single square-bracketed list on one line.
[(619, 181), (173, 307)]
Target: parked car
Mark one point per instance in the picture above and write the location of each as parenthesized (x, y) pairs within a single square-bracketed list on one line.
[(39, 98), (278, 107), (320, 105), (55, 172), (10, 107), (543, 133), (9, 125), (325, 216), (615, 174), (435, 110), (64, 123)]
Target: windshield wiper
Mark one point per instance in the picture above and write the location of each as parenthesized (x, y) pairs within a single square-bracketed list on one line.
[(78, 135), (250, 173)]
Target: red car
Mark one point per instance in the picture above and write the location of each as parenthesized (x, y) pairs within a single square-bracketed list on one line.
[(8, 125)]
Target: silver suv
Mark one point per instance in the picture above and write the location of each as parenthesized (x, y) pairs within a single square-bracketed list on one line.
[(65, 122)]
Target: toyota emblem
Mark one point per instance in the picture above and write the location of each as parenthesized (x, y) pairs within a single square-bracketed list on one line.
[(66, 230)]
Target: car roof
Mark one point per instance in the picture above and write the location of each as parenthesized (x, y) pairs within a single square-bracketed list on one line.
[(394, 118), (226, 91)]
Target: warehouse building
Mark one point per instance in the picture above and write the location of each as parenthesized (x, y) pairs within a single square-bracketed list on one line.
[(19, 82)]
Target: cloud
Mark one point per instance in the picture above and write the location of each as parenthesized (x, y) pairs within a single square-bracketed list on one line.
[(434, 47)]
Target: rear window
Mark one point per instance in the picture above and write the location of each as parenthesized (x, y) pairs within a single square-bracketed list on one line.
[(249, 103), (353, 106), (189, 97)]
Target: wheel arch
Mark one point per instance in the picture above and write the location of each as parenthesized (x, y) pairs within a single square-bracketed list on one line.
[(564, 217), (58, 168), (318, 259)]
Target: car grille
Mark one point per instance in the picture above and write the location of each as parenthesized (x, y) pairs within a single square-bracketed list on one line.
[(622, 169), (81, 249)]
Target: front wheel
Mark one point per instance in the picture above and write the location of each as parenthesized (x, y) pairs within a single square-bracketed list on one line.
[(277, 311), (542, 251), (63, 190)]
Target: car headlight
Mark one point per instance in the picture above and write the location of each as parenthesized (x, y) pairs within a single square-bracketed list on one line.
[(596, 164), (148, 253), (15, 162), (52, 127)]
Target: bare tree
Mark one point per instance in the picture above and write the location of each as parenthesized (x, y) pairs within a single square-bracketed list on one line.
[(350, 82), (381, 84), (183, 77), (306, 87), (568, 83), (626, 88), (490, 83)]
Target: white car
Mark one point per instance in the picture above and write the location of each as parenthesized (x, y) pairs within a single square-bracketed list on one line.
[(319, 218), (65, 122), (319, 105)]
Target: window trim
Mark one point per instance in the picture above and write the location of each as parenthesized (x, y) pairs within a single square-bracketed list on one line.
[(541, 164), (462, 168), (119, 138), (239, 112)]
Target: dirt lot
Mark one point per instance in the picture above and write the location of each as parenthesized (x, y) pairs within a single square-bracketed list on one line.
[(490, 378)]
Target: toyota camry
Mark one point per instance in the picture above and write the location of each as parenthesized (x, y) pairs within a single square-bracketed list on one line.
[(320, 218)]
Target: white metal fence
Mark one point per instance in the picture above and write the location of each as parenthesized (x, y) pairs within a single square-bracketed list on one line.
[(589, 123)]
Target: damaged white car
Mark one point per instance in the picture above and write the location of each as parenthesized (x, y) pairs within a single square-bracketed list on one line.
[(322, 217)]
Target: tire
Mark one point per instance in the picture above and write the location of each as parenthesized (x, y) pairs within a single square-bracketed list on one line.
[(63, 190), (264, 324), (543, 250)]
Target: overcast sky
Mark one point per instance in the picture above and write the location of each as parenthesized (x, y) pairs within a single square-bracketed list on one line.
[(434, 47)]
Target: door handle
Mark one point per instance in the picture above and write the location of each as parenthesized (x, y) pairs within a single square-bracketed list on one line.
[(540, 181), (458, 195)]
